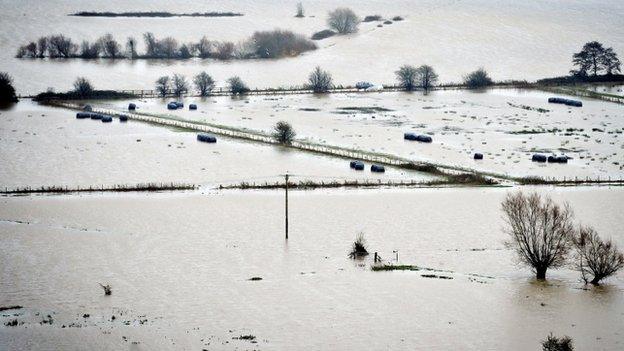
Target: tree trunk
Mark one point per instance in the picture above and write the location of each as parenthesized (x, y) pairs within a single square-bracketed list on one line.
[(540, 273), (595, 281)]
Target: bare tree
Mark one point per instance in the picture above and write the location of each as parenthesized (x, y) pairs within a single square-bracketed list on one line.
[(83, 87), (283, 132), (110, 46), (61, 46), (596, 257), (541, 231), (186, 51), (162, 86), (168, 47), (204, 47), (204, 83), (131, 48), (237, 86), (343, 20), (151, 44), (89, 51), (224, 51), (407, 76), (179, 84), (427, 77), (320, 81), (42, 46), (553, 343), (300, 11)]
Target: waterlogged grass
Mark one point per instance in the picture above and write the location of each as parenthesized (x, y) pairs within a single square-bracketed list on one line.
[(104, 188)]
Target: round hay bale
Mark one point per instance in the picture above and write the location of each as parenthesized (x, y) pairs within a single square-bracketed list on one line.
[(378, 168), (357, 165), (96, 116), (87, 108), (172, 106), (107, 119), (180, 104), (192, 107), (131, 106), (206, 138), (410, 136), (424, 138), (83, 115), (478, 156), (538, 158), (123, 118)]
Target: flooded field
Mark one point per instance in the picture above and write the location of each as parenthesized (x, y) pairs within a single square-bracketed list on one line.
[(506, 125), (180, 265), (513, 40)]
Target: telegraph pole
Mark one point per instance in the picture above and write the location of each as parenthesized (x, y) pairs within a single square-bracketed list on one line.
[(286, 209)]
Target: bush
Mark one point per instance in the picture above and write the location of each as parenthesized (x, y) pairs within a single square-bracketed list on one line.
[(427, 77), (179, 84), (596, 257), (204, 83), (7, 91), (553, 343), (343, 20), (237, 86), (82, 87), (280, 43), (283, 132), (478, 79), (320, 81), (359, 246), (326, 33), (541, 231), (110, 47)]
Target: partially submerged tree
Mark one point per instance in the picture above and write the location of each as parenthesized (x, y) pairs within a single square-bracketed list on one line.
[(110, 46), (131, 48), (83, 87), (594, 58), (407, 77), (179, 84), (359, 246), (204, 83), (7, 91), (300, 11), (343, 20), (283, 132), (596, 257), (540, 230), (478, 79), (320, 81), (427, 77), (162, 86), (553, 343), (61, 46), (237, 86)]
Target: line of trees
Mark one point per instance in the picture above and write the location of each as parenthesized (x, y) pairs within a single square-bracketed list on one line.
[(177, 84), (411, 78), (543, 235), (262, 44)]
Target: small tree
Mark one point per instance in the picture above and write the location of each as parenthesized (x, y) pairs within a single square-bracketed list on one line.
[(407, 76), (179, 84), (203, 47), (427, 77), (83, 87), (596, 257), (204, 83), (478, 79), (237, 86), (162, 86), (283, 132), (300, 11), (610, 61), (7, 91), (553, 343), (541, 231), (343, 20), (320, 81), (110, 46), (131, 50)]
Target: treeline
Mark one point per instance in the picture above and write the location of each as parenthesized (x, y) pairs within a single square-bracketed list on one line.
[(262, 44), (154, 14)]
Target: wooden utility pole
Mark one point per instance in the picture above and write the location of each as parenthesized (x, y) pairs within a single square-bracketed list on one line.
[(286, 209)]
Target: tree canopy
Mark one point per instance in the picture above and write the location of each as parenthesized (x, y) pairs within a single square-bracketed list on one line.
[(595, 59)]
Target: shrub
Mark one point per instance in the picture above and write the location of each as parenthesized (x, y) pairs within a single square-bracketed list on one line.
[(110, 46), (596, 257), (320, 81), (427, 77), (283, 132), (540, 230), (343, 20), (326, 33), (478, 79), (359, 246), (237, 86), (89, 51), (7, 91), (224, 51), (204, 83), (553, 343), (82, 87), (162, 86), (407, 76), (279, 43)]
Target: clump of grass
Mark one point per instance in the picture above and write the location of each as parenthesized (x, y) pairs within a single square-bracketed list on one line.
[(245, 337), (326, 33), (11, 323), (107, 289), (372, 18), (553, 343), (359, 247)]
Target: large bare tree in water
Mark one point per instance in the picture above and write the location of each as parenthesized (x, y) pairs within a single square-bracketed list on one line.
[(541, 231)]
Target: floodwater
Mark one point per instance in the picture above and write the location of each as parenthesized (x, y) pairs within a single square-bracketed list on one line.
[(512, 39), (180, 265), (506, 125)]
